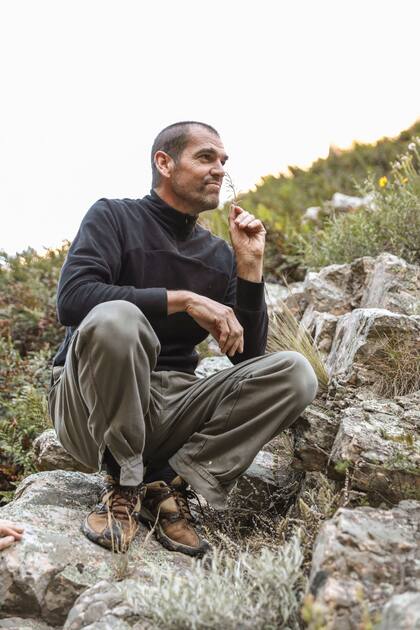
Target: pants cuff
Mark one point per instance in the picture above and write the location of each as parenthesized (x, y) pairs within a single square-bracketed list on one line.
[(201, 480)]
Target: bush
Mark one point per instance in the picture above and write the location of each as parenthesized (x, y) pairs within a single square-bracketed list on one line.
[(23, 407), (392, 224), (28, 285)]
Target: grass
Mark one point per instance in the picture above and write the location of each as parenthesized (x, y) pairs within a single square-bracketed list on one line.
[(287, 333), (396, 365)]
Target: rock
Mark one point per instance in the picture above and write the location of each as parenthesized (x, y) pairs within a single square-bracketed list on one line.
[(360, 339), (312, 214), (362, 557), (293, 295), (270, 483), (339, 201), (337, 289), (394, 285), (322, 327), (105, 606), (402, 612), (315, 432), (50, 455), (44, 573), (212, 365), (379, 441)]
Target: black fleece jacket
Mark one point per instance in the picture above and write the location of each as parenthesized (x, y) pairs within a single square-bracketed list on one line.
[(136, 250)]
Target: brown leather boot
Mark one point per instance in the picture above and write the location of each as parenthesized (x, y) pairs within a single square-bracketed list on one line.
[(166, 507), (114, 521)]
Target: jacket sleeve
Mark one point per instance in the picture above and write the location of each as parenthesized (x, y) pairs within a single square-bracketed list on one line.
[(248, 301), (92, 267)]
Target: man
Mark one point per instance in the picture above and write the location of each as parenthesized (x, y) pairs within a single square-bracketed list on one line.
[(142, 285)]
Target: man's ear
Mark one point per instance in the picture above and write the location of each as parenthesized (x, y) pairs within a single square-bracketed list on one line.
[(164, 163)]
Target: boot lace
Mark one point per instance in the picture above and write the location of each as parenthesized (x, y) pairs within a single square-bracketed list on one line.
[(122, 502), (182, 494)]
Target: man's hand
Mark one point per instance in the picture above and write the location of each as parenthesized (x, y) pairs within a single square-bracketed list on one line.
[(9, 533), (248, 240), (219, 320)]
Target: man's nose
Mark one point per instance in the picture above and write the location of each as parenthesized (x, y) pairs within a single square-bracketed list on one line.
[(218, 170)]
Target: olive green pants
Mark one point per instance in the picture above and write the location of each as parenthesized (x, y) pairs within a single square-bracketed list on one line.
[(109, 396)]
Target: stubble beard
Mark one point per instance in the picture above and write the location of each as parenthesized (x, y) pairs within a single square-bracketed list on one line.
[(200, 201)]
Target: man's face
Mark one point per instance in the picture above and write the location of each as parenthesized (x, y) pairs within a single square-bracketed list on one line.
[(197, 176)]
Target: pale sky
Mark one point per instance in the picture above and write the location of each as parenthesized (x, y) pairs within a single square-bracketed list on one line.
[(87, 84)]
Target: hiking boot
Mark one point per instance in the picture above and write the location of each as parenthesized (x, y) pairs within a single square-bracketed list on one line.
[(166, 508), (114, 521)]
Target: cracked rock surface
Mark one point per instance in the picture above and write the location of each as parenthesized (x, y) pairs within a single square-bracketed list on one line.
[(362, 557)]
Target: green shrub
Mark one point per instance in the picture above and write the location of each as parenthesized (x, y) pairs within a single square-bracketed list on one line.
[(28, 285), (23, 407), (392, 224)]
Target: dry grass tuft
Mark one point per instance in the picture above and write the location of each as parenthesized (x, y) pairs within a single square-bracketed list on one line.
[(397, 365), (287, 333), (250, 591)]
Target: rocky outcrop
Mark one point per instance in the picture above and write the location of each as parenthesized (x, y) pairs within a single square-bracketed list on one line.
[(378, 442), (360, 340), (363, 557), (46, 571), (393, 284)]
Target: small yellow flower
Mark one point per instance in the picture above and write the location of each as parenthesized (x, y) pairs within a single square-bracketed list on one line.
[(404, 180), (383, 181)]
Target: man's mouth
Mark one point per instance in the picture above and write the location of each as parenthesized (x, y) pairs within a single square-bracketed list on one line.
[(214, 184)]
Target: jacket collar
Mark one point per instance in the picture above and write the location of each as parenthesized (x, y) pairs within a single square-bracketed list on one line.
[(179, 223)]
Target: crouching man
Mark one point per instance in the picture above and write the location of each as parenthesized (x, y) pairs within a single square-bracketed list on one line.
[(142, 285)]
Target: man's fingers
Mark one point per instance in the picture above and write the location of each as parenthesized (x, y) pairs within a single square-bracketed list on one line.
[(6, 542), (235, 338), (11, 531), (5, 523), (236, 348), (241, 223), (224, 332)]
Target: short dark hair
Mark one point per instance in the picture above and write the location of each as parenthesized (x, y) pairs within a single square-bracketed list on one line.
[(173, 140)]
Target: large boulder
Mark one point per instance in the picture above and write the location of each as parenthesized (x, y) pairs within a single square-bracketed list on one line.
[(46, 571), (378, 442), (361, 558), (362, 337)]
